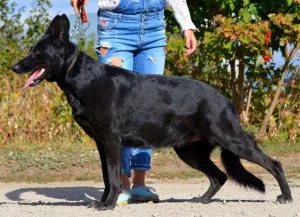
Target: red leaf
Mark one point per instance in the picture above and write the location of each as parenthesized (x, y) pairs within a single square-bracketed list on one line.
[(268, 37), (267, 58), (268, 33)]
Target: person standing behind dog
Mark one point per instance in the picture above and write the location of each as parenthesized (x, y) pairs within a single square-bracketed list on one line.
[(131, 35)]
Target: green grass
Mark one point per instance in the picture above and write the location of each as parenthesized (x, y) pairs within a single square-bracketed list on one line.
[(60, 145), (66, 161), (277, 144), (39, 162), (280, 148), (179, 175)]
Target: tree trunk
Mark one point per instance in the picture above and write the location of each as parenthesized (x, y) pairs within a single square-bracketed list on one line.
[(288, 58), (249, 100), (241, 80), (237, 84), (233, 81), (244, 116)]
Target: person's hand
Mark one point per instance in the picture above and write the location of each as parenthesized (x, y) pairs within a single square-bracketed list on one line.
[(74, 4), (190, 42)]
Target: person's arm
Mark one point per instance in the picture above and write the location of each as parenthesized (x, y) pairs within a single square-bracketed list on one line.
[(183, 18), (74, 4), (181, 14)]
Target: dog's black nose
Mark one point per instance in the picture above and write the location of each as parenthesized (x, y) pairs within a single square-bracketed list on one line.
[(15, 68)]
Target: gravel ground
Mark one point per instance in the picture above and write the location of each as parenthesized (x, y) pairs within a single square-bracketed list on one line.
[(69, 199)]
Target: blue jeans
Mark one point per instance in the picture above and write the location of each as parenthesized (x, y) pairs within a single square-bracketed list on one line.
[(135, 42)]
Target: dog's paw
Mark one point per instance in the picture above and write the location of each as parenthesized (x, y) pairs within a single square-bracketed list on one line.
[(282, 200), (99, 205), (201, 200), (96, 204)]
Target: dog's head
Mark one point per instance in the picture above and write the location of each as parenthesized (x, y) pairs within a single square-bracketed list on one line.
[(49, 56)]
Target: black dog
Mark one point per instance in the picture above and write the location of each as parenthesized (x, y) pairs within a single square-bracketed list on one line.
[(115, 106)]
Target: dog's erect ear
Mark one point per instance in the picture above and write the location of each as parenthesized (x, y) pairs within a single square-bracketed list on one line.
[(51, 26), (59, 30)]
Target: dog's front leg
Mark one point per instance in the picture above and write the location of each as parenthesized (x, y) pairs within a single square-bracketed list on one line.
[(104, 170), (109, 148), (110, 155)]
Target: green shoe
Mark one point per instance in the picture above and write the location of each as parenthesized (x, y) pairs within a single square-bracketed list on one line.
[(124, 198), (144, 194)]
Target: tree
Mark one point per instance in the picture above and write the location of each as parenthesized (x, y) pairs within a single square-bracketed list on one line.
[(289, 38), (240, 37)]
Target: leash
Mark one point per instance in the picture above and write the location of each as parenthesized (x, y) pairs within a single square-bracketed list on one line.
[(81, 18), (72, 63)]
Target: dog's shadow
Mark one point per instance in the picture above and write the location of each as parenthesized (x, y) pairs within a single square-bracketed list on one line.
[(69, 196), (82, 196)]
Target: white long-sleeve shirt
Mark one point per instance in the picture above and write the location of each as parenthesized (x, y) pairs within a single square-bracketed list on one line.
[(179, 8), (181, 13)]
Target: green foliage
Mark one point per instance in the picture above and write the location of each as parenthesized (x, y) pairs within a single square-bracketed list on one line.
[(237, 38)]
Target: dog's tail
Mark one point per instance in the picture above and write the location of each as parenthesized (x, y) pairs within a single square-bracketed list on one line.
[(237, 172)]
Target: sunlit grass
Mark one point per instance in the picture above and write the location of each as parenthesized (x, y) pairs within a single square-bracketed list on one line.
[(64, 160)]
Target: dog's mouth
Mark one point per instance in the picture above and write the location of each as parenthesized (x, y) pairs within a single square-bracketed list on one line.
[(36, 77)]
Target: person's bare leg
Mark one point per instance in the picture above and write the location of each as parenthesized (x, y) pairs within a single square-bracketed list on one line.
[(139, 178), (126, 182)]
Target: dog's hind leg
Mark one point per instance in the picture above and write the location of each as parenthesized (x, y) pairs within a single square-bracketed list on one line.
[(197, 155), (243, 146)]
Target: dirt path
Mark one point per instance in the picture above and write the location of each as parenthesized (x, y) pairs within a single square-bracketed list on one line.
[(69, 199)]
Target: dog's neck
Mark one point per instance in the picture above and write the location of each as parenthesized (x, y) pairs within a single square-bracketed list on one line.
[(72, 59)]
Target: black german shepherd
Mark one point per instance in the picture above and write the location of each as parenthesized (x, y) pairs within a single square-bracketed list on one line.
[(119, 107)]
